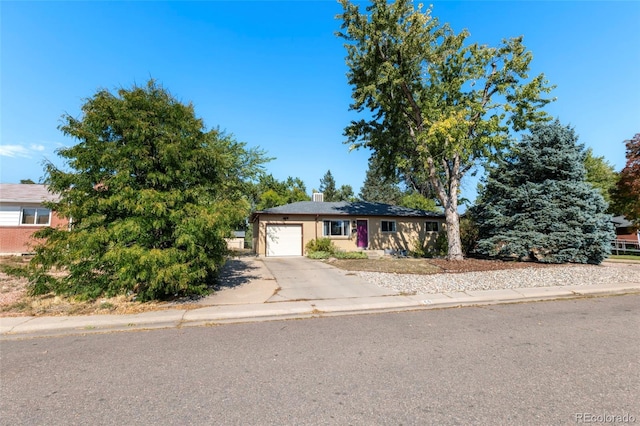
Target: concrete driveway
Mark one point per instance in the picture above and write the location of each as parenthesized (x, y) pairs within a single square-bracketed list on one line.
[(251, 280), (300, 278)]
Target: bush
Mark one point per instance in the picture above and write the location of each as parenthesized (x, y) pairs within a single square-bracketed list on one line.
[(319, 255), (442, 244), (468, 234), (422, 249), (321, 244), (323, 248), (350, 255)]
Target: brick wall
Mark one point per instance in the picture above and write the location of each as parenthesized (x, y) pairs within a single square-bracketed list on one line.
[(18, 239)]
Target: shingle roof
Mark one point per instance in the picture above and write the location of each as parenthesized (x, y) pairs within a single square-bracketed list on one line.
[(621, 222), (25, 193), (343, 208)]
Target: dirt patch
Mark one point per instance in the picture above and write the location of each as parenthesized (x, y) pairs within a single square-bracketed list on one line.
[(429, 266), (15, 301), (479, 265), (389, 265)]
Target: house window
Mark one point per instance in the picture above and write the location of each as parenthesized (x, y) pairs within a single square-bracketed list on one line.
[(432, 226), (35, 216), (388, 225), (334, 228)]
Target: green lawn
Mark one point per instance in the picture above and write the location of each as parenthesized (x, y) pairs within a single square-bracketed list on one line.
[(624, 257)]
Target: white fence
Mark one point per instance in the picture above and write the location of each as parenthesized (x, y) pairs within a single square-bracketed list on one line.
[(625, 246)]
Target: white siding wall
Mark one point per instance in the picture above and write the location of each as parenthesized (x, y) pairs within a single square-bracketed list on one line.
[(9, 215)]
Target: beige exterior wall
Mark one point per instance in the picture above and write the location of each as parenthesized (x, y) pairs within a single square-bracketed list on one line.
[(408, 230)]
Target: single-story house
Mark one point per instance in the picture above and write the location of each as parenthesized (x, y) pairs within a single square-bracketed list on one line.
[(237, 241), (286, 230), (22, 213)]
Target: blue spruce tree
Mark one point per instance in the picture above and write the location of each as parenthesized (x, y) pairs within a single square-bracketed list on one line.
[(536, 204)]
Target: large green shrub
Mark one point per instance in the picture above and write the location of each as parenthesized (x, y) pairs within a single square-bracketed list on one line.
[(320, 244), (151, 194)]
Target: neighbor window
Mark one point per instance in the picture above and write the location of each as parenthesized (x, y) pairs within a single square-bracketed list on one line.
[(336, 228), (388, 225), (34, 216), (432, 226)]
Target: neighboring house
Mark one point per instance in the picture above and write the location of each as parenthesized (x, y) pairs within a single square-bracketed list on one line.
[(285, 230), (22, 213), (627, 237), (237, 242), (625, 230)]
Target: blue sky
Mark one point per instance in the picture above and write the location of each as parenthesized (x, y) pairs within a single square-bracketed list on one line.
[(273, 73)]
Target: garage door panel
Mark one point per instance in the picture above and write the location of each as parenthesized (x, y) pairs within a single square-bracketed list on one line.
[(284, 240)]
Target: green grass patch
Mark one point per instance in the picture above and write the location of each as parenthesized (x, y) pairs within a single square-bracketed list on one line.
[(350, 255), (624, 257), (319, 255)]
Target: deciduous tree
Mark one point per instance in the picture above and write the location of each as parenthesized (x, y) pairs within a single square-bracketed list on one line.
[(626, 195), (600, 174), (415, 200), (150, 194), (436, 104), (271, 192)]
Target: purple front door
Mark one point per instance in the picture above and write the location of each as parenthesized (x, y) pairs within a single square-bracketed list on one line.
[(363, 234)]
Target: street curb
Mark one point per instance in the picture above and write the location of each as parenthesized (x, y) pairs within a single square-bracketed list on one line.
[(16, 328)]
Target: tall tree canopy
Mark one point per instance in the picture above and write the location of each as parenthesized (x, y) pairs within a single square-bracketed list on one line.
[(600, 174), (331, 193), (271, 192), (626, 195), (150, 194), (328, 187), (537, 203), (436, 105), (345, 193), (378, 186)]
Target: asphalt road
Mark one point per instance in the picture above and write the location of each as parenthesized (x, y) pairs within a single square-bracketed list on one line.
[(535, 363)]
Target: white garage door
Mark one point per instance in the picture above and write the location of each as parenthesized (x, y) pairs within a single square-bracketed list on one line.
[(284, 240)]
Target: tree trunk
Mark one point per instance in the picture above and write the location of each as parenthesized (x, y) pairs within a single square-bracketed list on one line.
[(453, 232), (449, 199)]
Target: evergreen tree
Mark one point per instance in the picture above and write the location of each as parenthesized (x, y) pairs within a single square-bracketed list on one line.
[(345, 193), (378, 187), (328, 187), (151, 195), (537, 205)]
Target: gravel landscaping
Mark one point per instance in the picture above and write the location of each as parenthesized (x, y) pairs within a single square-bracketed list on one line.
[(556, 275)]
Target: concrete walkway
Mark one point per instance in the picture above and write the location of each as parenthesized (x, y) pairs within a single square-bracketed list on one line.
[(267, 289)]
